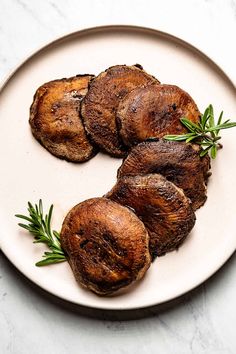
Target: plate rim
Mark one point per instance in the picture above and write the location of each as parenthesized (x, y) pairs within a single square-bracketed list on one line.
[(123, 27), (105, 28)]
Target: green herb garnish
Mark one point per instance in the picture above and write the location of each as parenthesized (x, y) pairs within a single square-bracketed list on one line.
[(204, 133), (40, 226)]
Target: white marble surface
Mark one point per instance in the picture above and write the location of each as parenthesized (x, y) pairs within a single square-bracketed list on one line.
[(201, 322)]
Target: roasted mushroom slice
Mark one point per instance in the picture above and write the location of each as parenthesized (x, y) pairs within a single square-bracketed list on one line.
[(107, 245), (179, 162), (164, 209), (55, 118), (154, 111), (100, 104)]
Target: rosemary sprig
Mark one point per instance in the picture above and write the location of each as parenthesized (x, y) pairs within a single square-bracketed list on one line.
[(204, 133), (40, 226)]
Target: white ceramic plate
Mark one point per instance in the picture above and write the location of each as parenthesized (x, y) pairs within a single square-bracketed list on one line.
[(29, 172)]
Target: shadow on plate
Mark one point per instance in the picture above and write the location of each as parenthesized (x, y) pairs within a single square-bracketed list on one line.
[(115, 315)]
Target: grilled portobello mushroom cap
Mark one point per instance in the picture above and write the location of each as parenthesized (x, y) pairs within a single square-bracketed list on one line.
[(179, 162), (55, 118), (100, 104), (154, 111), (163, 208), (107, 245)]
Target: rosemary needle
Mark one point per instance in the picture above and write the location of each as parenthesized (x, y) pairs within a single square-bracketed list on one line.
[(204, 133), (39, 225)]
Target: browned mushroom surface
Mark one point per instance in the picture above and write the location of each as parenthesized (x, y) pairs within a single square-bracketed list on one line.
[(55, 118), (154, 111), (107, 245), (164, 209), (179, 162), (101, 102)]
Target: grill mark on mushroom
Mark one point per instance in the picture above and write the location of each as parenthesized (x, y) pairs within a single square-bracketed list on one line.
[(100, 104), (154, 111), (163, 208), (55, 118), (107, 245), (179, 162)]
